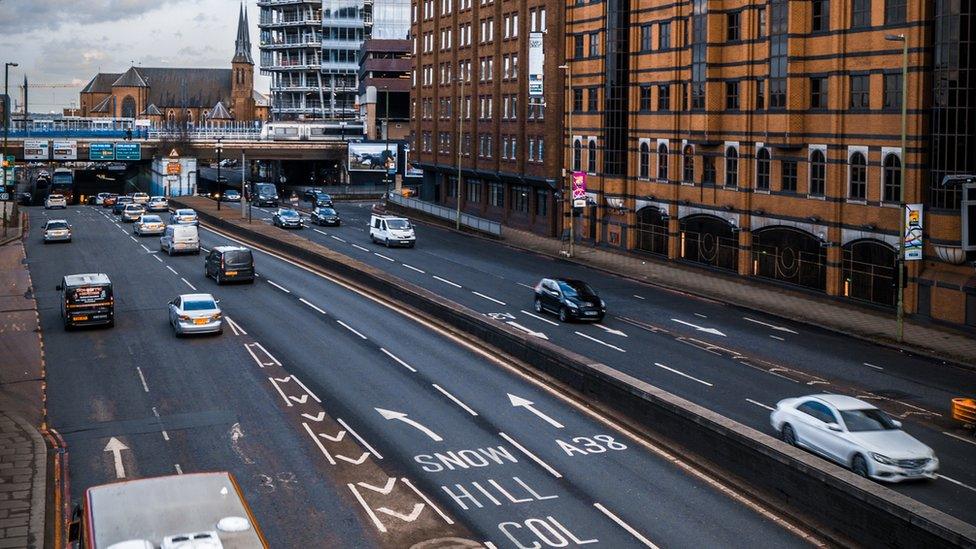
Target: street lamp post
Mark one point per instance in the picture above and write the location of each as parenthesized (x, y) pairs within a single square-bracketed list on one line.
[(386, 137), (904, 181), (6, 129), (568, 197), (219, 148), (457, 219)]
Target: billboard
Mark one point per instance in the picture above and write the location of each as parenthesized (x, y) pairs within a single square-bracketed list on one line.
[(128, 151), (65, 150), (579, 189), (537, 61), (101, 151), (409, 169), (372, 157), (913, 232), (35, 149)]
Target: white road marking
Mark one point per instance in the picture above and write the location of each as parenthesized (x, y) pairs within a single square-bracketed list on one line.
[(396, 358), (777, 338), (537, 317), (206, 251), (156, 413), (172, 270), (361, 440), (321, 232), (400, 416), (369, 511), (318, 443), (768, 325), (307, 390), (134, 239), (280, 392), (234, 326), (957, 437), (455, 400), (312, 305), (383, 256), (271, 356), (531, 456), (145, 248), (625, 526), (337, 238), (610, 330), (672, 370), (423, 496), (351, 329), (531, 332), (591, 338), (143, 379), (525, 286), (179, 470), (116, 446), (956, 482), (490, 545), (192, 287), (358, 247), (760, 404), (446, 281), (712, 331), (869, 365), (280, 287), (639, 297), (414, 268), (489, 298), (157, 258), (701, 315), (519, 402)]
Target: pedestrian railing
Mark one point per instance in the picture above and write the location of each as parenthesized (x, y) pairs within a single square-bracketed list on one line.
[(449, 214)]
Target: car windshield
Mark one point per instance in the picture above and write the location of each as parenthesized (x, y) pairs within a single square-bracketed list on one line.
[(199, 305), (869, 419), (185, 212), (151, 219), (326, 211), (287, 213), (156, 198), (574, 288), (56, 196), (399, 224), (57, 225)]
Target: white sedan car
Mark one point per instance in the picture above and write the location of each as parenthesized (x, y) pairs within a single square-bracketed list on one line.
[(195, 314), (854, 434), (149, 224)]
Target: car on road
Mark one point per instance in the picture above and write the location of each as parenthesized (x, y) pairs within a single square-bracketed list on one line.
[(157, 204), (150, 224), (180, 238), (55, 201), (110, 200), (231, 196), (184, 216), (25, 198), (132, 212), (57, 230), (230, 264), (120, 204), (323, 215), (100, 198), (287, 218), (317, 198), (854, 434), (86, 299), (140, 198), (391, 231), (265, 194), (195, 314), (569, 299)]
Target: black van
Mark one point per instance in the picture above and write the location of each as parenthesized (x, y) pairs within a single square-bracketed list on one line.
[(230, 263), (87, 300)]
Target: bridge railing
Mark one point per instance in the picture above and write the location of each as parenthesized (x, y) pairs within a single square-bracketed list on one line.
[(237, 134)]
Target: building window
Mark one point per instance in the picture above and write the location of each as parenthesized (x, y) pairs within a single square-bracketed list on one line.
[(820, 15), (818, 92), (761, 21), (689, 164), (860, 13), (732, 96), (662, 162), (760, 95), (577, 155), (594, 44), (699, 47), (541, 203), (578, 46), (708, 170), (731, 167), (732, 26), (664, 36), (895, 11), (860, 91), (778, 54), (859, 177), (762, 169), (788, 172), (892, 178), (496, 194), (892, 90), (520, 199), (472, 191), (594, 99), (645, 98), (644, 161), (664, 97), (645, 37), (577, 99), (591, 157), (818, 173)]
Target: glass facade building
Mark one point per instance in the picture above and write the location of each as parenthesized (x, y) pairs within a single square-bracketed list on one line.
[(291, 54)]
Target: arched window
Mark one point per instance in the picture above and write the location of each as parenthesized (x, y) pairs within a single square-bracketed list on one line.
[(591, 157), (859, 177), (171, 118), (731, 167), (645, 161), (662, 161), (818, 173), (128, 107), (689, 164), (577, 155), (189, 117), (892, 178), (762, 169)]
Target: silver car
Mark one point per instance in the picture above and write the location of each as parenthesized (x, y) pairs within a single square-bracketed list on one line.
[(195, 314), (55, 201), (157, 204), (132, 212), (184, 216), (149, 224), (57, 230), (854, 434)]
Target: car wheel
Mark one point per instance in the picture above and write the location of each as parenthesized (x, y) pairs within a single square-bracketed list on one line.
[(386, 242), (219, 279), (111, 323), (563, 315), (220, 331), (859, 466), (538, 305), (169, 251), (788, 435)]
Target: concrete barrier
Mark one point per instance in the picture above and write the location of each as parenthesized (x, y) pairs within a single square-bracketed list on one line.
[(837, 504)]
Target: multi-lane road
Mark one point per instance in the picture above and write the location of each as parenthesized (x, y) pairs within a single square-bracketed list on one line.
[(350, 423), (733, 361)]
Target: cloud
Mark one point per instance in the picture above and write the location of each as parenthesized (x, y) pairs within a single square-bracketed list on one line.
[(33, 15)]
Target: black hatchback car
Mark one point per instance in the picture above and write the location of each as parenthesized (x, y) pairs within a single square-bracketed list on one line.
[(323, 215), (570, 299), (318, 198), (230, 264)]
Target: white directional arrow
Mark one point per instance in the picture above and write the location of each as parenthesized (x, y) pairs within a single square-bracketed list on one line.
[(712, 331), (610, 330), (526, 330), (384, 490), (358, 461), (773, 326), (389, 414), (317, 418), (405, 518), (116, 446), (337, 438), (518, 401)]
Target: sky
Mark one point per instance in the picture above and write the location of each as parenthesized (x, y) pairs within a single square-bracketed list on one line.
[(66, 42)]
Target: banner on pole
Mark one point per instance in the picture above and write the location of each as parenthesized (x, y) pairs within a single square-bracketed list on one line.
[(579, 189), (913, 232), (537, 61)]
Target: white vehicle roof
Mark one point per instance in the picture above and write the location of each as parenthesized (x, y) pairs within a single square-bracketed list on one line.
[(49, 221), (842, 402), (384, 216), (86, 278), (54, 196)]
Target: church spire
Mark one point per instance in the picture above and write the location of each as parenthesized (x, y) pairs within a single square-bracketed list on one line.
[(242, 45)]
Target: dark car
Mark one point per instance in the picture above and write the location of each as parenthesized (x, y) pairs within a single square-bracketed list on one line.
[(317, 198), (120, 204), (25, 199), (286, 217), (326, 216), (570, 299), (230, 264)]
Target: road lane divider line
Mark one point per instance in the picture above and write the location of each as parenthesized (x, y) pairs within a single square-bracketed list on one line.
[(234, 326), (537, 317), (337, 238), (699, 315), (957, 483), (206, 251), (358, 247), (142, 378), (145, 248), (525, 285), (318, 443), (489, 298), (351, 329), (320, 232), (192, 287), (312, 305), (157, 258), (869, 365), (160, 420), (957, 437), (446, 281), (172, 270), (630, 530), (396, 358), (680, 373), (265, 351), (760, 404), (591, 338), (411, 267), (530, 455), (455, 400), (307, 390), (280, 392), (377, 254), (369, 511), (639, 297), (361, 440), (777, 338), (430, 503), (133, 238), (773, 326), (279, 286)]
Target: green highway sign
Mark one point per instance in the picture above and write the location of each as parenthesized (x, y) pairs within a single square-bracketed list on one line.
[(128, 151), (101, 151)]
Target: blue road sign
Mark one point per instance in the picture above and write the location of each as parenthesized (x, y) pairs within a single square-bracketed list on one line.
[(128, 151), (101, 151)]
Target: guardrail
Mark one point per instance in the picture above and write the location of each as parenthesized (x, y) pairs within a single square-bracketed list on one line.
[(467, 220), (245, 134)]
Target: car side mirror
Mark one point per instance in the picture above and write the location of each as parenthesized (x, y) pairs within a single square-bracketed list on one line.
[(217, 301), (834, 427), (896, 423), (59, 287)]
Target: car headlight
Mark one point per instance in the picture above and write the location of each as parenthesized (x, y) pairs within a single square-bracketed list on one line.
[(215, 317), (882, 459), (571, 305), (185, 318)]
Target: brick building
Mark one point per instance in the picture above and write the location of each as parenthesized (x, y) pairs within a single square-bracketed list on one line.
[(763, 138), (470, 60), (384, 88)]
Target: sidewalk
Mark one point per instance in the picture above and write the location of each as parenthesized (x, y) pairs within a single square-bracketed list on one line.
[(849, 319)]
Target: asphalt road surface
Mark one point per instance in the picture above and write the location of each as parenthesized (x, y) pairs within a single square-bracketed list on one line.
[(347, 422), (736, 362)]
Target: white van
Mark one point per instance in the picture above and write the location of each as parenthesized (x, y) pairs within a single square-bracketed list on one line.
[(391, 231), (180, 238)]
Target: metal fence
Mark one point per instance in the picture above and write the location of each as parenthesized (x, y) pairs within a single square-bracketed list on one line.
[(476, 223)]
